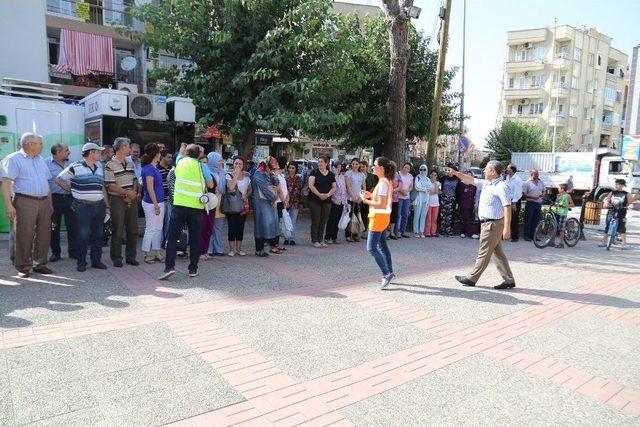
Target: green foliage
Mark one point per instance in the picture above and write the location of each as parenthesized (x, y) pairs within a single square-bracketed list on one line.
[(364, 104), (514, 136), (256, 61)]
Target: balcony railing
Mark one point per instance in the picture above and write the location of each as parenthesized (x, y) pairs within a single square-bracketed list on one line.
[(101, 12)]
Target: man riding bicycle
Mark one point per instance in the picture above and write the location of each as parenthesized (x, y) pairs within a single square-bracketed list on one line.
[(617, 202)]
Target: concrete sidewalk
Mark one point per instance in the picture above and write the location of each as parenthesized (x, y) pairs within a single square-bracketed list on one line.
[(307, 337)]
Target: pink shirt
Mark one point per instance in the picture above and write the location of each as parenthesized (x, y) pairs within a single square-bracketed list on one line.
[(404, 182)]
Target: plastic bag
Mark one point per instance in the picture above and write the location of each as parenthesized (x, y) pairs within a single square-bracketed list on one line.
[(345, 218)]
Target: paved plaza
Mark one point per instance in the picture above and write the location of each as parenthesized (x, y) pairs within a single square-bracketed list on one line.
[(307, 338)]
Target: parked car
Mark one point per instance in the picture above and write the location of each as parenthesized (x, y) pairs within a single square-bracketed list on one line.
[(477, 172)]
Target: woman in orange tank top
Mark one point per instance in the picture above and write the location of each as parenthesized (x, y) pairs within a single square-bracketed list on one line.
[(379, 202)]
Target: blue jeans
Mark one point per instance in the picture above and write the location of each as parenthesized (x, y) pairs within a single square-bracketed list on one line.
[(293, 213), (532, 213), (403, 215), (420, 217), (377, 247), (90, 225)]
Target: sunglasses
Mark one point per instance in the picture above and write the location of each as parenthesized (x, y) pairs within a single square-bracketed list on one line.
[(423, 170)]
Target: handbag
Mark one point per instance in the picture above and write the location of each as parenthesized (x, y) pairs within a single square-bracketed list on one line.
[(345, 218), (232, 203), (354, 227), (361, 226)]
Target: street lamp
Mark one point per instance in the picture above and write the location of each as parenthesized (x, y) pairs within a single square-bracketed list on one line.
[(413, 12)]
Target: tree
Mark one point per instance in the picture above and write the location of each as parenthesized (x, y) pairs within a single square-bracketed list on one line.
[(255, 61), (398, 30), (515, 136), (364, 104)]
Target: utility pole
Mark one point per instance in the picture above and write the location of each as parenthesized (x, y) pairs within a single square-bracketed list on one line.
[(464, 43), (558, 89), (445, 15)]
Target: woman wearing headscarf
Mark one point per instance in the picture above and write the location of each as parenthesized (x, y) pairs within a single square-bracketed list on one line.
[(215, 162), (448, 200), (422, 183), (338, 201), (265, 221), (208, 218)]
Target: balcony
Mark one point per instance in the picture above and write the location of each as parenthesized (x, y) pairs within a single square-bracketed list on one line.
[(612, 78), (100, 12), (560, 90), (519, 93), (560, 120), (517, 66), (607, 125), (561, 61)]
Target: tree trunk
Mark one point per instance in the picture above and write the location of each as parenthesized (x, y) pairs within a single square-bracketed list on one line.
[(245, 145), (398, 29)]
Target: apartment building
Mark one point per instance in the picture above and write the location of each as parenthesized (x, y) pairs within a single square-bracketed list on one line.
[(632, 110), (570, 81)]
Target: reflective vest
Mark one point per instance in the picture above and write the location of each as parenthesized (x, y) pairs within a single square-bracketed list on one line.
[(379, 218), (189, 186)]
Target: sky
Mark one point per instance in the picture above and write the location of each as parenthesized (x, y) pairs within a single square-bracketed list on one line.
[(487, 24)]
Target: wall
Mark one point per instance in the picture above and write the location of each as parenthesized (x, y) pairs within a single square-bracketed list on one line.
[(24, 20)]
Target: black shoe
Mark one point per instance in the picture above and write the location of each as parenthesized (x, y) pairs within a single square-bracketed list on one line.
[(54, 258), (465, 281), (43, 269), (72, 256), (99, 266), (82, 267), (505, 285), (292, 242), (262, 254), (132, 262), (526, 239), (286, 242), (117, 263), (514, 240)]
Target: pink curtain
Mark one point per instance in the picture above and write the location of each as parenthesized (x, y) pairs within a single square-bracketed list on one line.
[(83, 53)]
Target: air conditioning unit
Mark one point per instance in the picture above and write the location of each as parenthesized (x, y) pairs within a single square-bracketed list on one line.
[(527, 45), (147, 107), (526, 73), (127, 87), (523, 101)]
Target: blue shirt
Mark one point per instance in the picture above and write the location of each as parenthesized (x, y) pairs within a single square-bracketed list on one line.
[(152, 171), (30, 175), (494, 197), (55, 170), (86, 183)]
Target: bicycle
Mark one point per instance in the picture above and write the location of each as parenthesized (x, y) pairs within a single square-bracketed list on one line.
[(547, 230), (612, 229)]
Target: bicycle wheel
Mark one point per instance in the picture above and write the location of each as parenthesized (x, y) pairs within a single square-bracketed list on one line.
[(545, 232), (572, 232)]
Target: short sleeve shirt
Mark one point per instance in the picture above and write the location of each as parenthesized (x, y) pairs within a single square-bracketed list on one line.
[(563, 205), (86, 183), (30, 175), (158, 189), (323, 184), (494, 196), (120, 173)]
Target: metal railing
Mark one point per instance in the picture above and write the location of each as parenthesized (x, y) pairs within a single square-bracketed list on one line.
[(117, 14)]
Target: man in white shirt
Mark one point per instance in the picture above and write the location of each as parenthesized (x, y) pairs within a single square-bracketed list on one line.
[(514, 184), (533, 191)]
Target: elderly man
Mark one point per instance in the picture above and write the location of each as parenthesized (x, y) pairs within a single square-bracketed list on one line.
[(533, 191), (85, 180), (514, 183), (106, 155), (119, 176), (62, 201), (494, 210), (30, 209), (135, 158)]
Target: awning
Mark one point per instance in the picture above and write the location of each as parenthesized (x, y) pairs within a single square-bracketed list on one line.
[(83, 53), (212, 132)]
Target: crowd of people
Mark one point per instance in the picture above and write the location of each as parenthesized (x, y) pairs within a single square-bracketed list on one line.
[(186, 198)]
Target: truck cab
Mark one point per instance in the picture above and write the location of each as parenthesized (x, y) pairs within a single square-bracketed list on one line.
[(611, 168)]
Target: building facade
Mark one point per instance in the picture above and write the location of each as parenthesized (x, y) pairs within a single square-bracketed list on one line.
[(569, 81), (632, 110)]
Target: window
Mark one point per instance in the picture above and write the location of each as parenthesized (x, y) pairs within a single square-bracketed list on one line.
[(522, 83), (586, 113), (607, 119), (590, 60), (540, 52), (510, 110), (64, 7), (535, 108), (610, 93), (572, 110), (595, 84), (519, 109), (523, 55), (616, 167), (577, 54), (616, 119), (124, 76), (537, 81), (561, 109), (599, 60), (618, 96), (116, 12), (574, 82), (511, 82), (589, 87), (54, 49)]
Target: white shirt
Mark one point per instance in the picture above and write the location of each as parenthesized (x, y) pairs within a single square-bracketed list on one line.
[(356, 181), (434, 199), (494, 196), (422, 183), (282, 183), (533, 189), (514, 183)]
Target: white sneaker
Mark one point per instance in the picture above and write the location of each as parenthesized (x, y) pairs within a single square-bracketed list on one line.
[(475, 236), (463, 235), (165, 275), (242, 253), (324, 244), (317, 245), (386, 280), (231, 253)]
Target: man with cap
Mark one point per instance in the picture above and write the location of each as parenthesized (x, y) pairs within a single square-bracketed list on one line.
[(90, 201), (26, 175)]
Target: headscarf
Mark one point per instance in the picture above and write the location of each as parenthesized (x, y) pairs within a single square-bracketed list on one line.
[(426, 171), (213, 158)]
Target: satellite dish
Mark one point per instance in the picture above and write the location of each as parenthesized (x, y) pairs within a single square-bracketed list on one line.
[(128, 63)]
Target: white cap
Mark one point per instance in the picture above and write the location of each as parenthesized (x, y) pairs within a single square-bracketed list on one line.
[(91, 146)]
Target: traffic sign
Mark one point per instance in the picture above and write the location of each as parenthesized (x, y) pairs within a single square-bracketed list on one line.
[(463, 143)]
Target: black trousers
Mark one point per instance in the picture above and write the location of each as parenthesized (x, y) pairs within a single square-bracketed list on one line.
[(260, 242), (332, 224), (236, 227), (515, 221), (62, 207), (181, 215)]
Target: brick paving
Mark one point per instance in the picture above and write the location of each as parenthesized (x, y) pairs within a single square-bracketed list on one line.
[(306, 338)]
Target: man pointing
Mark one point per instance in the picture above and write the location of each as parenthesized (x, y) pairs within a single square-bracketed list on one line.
[(494, 210)]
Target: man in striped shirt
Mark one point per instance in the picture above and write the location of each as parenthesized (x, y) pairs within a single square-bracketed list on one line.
[(120, 178), (86, 183), (494, 210)]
